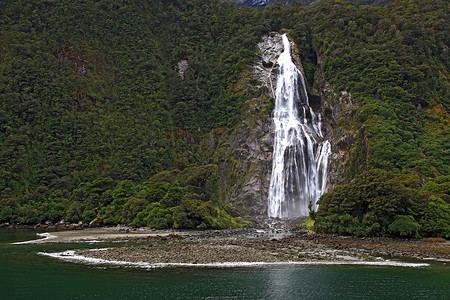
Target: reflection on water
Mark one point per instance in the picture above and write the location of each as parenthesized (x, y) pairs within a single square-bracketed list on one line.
[(26, 275)]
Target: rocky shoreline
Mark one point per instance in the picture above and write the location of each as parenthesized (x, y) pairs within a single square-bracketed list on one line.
[(251, 245), (151, 246), (200, 250), (390, 247), (51, 226), (222, 247)]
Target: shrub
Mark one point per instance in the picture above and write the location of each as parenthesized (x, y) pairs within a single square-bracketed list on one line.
[(369, 205), (190, 214), (439, 185), (131, 209), (74, 212), (174, 196), (404, 226), (156, 216), (436, 218), (7, 214)]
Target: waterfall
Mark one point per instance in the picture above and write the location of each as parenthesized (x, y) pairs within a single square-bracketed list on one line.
[(300, 156)]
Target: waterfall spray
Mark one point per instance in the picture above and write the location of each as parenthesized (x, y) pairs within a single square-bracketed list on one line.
[(300, 158)]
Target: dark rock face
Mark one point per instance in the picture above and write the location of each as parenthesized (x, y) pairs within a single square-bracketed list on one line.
[(182, 67), (338, 111), (244, 154)]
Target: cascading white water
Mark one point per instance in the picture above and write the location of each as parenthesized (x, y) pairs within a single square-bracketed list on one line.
[(300, 157)]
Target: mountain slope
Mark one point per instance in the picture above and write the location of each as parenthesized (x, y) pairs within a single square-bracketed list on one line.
[(108, 108), (311, 3)]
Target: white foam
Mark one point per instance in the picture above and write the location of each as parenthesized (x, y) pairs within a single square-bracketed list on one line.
[(71, 256), (46, 236), (445, 260)]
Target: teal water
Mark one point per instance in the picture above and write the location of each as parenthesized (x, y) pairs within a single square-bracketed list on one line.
[(26, 275)]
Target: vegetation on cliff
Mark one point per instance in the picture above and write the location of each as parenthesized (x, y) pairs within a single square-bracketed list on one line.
[(394, 60), (97, 119)]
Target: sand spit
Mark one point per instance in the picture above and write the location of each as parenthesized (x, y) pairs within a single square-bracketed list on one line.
[(103, 234)]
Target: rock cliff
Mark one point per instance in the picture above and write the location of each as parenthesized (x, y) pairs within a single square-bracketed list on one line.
[(338, 111), (244, 153)]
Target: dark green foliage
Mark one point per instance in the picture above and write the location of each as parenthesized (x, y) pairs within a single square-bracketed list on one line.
[(173, 197), (155, 192), (380, 203), (179, 199), (89, 91), (203, 215), (394, 61), (439, 185), (131, 209), (92, 106), (369, 204), (339, 224), (190, 214), (404, 226), (156, 216), (436, 218)]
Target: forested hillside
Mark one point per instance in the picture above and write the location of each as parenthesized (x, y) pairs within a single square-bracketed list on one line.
[(91, 99), (311, 3), (105, 104), (394, 61)]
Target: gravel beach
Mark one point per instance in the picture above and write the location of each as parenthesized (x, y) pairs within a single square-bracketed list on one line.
[(244, 245)]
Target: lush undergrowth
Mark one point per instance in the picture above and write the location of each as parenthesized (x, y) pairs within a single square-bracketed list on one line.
[(104, 106), (380, 203)]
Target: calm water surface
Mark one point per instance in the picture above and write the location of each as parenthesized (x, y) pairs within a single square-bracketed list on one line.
[(26, 275)]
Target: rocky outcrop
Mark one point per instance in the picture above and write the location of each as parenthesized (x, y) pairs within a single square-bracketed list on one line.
[(244, 154), (252, 2), (182, 67)]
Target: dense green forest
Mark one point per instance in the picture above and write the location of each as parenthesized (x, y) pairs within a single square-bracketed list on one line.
[(95, 120), (92, 104), (309, 3)]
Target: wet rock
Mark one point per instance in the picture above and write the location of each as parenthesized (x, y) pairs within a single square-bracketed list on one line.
[(338, 110), (244, 155)]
